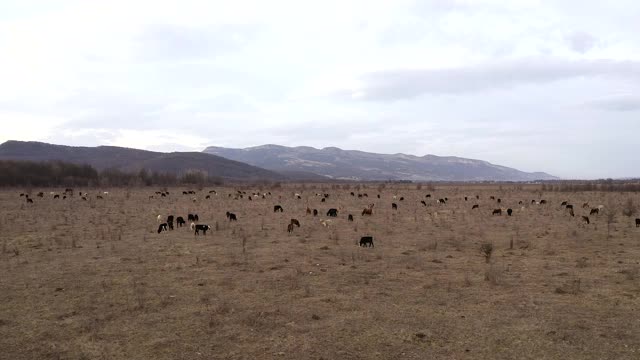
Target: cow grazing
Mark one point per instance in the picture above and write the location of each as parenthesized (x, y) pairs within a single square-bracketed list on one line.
[(350, 217), (315, 212), (465, 198), (290, 228), (442, 201), (170, 218), (308, 211), (476, 206), (180, 221), (278, 208), (520, 202), (497, 212), (204, 229), (56, 196), (564, 203), (585, 219), (208, 197), (542, 202), (569, 206), (232, 216), (353, 194), (428, 196), (594, 211), (394, 206), (378, 196), (492, 197), (323, 200), (295, 222), (401, 198), (162, 227), (368, 210), (637, 222), (159, 218), (29, 201), (571, 212), (509, 211), (366, 241), (499, 201), (423, 202), (333, 212), (190, 217)]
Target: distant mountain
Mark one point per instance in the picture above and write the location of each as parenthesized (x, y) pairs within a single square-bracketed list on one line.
[(359, 165), (126, 159)]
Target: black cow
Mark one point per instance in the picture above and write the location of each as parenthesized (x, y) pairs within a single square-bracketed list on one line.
[(543, 202), (232, 216), (378, 196), (162, 227), (394, 206), (278, 208), (332, 212), (401, 198), (353, 194), (563, 203), (170, 223), (204, 229), (476, 206), (569, 206), (290, 228), (208, 197), (465, 198), (442, 201), (323, 200), (428, 196), (190, 217), (492, 197), (520, 202), (170, 218), (29, 201), (497, 211), (350, 217), (366, 241), (180, 221), (295, 222), (423, 203), (56, 196), (594, 211), (509, 211), (637, 222), (499, 201), (315, 212)]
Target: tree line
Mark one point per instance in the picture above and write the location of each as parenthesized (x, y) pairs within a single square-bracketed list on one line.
[(63, 174)]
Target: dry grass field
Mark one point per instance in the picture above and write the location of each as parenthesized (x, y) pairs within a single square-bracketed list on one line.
[(94, 280)]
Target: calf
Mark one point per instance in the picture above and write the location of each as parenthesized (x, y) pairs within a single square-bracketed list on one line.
[(278, 208), (162, 227), (204, 229), (332, 212), (180, 221), (497, 212), (366, 241)]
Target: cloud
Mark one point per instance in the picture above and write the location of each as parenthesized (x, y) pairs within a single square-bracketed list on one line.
[(624, 102), (581, 42), (411, 83)]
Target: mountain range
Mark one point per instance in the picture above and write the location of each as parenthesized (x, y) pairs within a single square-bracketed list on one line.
[(356, 165), (274, 163)]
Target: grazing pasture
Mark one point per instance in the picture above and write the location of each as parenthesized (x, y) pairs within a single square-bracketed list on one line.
[(98, 278)]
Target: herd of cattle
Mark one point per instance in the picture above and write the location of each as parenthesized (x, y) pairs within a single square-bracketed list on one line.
[(365, 241)]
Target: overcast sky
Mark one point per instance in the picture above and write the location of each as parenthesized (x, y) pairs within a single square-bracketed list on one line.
[(548, 86)]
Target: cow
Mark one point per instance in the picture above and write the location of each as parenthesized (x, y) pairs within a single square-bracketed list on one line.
[(497, 212), (333, 212), (315, 212), (366, 241), (594, 211), (56, 196), (208, 197), (571, 212), (394, 206), (323, 200), (585, 219), (29, 201), (542, 202), (169, 218), (499, 201), (180, 221), (162, 227), (290, 228), (509, 211), (368, 210), (428, 196), (308, 211), (401, 198), (585, 205), (465, 198), (353, 194), (232, 216), (569, 206), (277, 208), (492, 197), (204, 229), (423, 202), (475, 206), (191, 217), (563, 203), (350, 217), (637, 222), (442, 201), (295, 222)]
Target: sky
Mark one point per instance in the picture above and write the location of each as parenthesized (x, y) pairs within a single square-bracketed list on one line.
[(548, 86)]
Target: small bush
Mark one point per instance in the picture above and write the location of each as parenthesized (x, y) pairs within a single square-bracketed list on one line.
[(486, 249)]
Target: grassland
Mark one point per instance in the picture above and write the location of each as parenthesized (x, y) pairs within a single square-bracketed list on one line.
[(94, 280)]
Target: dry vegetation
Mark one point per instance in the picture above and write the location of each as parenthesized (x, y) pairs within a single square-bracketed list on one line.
[(93, 280)]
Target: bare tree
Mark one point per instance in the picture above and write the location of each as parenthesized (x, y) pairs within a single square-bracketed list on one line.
[(610, 212)]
